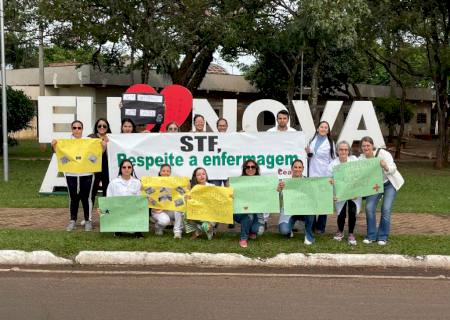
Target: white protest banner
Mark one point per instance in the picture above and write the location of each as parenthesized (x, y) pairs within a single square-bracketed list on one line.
[(221, 154)]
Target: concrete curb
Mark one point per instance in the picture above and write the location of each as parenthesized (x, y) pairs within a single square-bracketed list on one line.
[(132, 258), (19, 257)]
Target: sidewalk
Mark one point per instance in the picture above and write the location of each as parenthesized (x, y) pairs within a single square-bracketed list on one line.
[(57, 219)]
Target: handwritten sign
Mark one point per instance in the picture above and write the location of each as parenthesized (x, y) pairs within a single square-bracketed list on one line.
[(358, 179), (210, 203)]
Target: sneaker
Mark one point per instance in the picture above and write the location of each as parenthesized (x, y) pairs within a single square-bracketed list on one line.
[(307, 242), (367, 241), (261, 230), (252, 236), (210, 232), (382, 242), (339, 236), (243, 243), (291, 235), (82, 222), (159, 232), (71, 226), (88, 226), (351, 239), (177, 235)]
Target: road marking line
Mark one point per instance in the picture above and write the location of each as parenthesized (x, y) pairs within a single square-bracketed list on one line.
[(227, 274)]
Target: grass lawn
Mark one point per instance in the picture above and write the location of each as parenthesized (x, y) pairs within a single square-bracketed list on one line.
[(425, 191), (67, 244), (29, 149)]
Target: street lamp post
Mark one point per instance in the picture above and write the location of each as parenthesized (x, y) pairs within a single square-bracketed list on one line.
[(4, 106)]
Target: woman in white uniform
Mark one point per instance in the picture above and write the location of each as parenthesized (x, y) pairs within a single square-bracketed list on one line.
[(126, 184), (320, 154)]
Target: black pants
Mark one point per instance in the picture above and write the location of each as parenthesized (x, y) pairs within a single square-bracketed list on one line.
[(104, 178), (349, 206), (80, 189)]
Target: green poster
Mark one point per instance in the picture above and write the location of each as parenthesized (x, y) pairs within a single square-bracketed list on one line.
[(255, 194), (123, 214), (306, 196), (358, 179)]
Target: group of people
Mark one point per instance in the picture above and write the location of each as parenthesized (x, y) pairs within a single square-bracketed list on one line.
[(323, 155)]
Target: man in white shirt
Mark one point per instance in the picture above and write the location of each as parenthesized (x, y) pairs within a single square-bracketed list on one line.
[(282, 122)]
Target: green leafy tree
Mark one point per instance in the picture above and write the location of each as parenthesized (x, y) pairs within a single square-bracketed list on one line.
[(389, 111), (20, 111)]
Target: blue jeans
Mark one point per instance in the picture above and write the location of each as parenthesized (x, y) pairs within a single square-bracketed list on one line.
[(386, 208), (249, 224), (285, 228)]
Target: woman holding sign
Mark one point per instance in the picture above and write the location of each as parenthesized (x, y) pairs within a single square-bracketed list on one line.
[(320, 154), (101, 128), (393, 181), (163, 217), (352, 206), (200, 177), (79, 186), (286, 222), (126, 184), (250, 223)]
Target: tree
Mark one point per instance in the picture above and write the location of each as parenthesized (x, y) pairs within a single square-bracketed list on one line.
[(20, 110), (389, 111)]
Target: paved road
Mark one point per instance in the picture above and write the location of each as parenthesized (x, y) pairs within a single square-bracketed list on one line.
[(201, 296)]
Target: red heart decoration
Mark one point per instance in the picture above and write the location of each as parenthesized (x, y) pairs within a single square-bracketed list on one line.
[(178, 101)]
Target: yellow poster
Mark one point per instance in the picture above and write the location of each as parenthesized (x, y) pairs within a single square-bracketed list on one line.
[(79, 155), (210, 203), (167, 193)]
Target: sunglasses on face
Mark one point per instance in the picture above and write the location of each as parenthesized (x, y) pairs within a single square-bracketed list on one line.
[(77, 128), (127, 167), (102, 126), (172, 128), (250, 167)]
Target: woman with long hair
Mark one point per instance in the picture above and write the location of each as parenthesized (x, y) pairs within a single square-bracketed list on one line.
[(286, 222), (320, 154), (164, 217), (250, 223), (101, 129), (196, 227)]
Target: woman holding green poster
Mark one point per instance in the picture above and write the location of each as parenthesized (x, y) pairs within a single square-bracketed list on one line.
[(126, 184), (393, 181), (342, 207), (286, 222), (250, 223)]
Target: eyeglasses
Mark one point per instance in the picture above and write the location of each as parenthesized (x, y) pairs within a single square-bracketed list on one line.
[(102, 126), (77, 128), (172, 128), (250, 167), (127, 167)]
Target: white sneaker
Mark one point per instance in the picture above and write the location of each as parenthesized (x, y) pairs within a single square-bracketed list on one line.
[(307, 242), (71, 226), (82, 222), (382, 243), (177, 235), (367, 241)]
